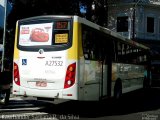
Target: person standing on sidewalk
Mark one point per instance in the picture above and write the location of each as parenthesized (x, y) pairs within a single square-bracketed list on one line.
[(5, 83)]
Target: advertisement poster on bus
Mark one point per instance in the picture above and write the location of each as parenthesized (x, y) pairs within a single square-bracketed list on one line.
[(35, 34)]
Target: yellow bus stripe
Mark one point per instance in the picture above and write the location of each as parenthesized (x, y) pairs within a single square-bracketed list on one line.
[(16, 52), (73, 51)]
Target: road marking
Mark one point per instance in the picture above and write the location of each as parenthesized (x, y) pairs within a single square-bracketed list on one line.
[(25, 108), (19, 109)]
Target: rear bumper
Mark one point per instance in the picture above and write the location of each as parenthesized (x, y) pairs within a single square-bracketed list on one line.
[(70, 93), (38, 93)]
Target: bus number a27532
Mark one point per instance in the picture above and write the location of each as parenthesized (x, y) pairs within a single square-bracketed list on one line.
[(54, 63)]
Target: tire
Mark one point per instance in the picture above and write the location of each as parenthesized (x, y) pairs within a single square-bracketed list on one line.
[(118, 89)]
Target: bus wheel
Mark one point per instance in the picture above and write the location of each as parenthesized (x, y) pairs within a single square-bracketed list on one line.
[(118, 89)]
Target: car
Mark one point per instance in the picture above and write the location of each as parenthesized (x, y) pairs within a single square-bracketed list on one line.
[(39, 35)]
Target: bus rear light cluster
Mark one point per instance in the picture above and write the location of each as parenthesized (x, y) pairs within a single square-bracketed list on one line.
[(16, 74), (70, 75)]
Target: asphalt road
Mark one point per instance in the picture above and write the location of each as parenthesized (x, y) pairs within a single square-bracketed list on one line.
[(138, 105)]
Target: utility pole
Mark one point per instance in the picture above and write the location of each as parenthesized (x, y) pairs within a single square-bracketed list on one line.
[(106, 11), (134, 17), (133, 22), (4, 34)]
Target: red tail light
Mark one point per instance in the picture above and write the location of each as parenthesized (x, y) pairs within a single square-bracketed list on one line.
[(70, 75), (16, 74)]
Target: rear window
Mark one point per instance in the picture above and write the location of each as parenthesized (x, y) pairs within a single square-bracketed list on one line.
[(44, 33)]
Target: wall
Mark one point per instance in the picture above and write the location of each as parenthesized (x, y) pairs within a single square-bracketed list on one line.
[(142, 11)]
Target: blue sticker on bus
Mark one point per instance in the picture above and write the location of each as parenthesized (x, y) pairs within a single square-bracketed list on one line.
[(24, 61)]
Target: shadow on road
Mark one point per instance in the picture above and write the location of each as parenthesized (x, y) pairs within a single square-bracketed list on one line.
[(137, 101)]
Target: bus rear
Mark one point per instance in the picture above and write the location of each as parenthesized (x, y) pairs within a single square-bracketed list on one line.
[(45, 58)]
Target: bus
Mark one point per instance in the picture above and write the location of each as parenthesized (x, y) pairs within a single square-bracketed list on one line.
[(70, 58)]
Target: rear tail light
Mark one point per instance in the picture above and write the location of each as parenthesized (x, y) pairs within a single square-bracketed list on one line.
[(70, 75), (16, 74)]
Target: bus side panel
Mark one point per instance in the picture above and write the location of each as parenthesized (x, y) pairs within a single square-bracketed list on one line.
[(80, 64), (90, 85), (81, 73), (92, 78), (132, 76)]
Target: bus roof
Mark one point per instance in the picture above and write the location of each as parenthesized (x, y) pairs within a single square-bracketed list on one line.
[(110, 33)]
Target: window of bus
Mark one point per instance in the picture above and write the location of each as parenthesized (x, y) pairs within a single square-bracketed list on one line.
[(46, 34), (92, 42), (126, 53)]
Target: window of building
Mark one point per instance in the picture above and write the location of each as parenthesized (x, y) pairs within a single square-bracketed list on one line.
[(122, 24), (150, 24)]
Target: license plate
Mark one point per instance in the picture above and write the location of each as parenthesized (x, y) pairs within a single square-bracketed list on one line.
[(41, 84)]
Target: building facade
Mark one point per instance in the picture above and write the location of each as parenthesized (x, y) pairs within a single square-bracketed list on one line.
[(136, 19)]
